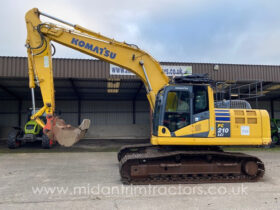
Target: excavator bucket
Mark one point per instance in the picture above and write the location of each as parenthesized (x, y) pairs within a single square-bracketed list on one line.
[(65, 134)]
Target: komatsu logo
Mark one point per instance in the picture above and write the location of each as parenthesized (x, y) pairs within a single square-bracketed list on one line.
[(101, 51)]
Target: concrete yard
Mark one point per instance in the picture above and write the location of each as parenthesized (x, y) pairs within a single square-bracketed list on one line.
[(90, 180)]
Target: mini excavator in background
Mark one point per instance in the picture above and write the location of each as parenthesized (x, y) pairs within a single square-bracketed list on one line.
[(187, 129)]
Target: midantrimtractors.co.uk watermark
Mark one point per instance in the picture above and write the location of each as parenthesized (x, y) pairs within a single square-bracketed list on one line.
[(135, 191)]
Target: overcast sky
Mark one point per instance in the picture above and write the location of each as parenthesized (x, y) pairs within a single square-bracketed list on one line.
[(215, 31)]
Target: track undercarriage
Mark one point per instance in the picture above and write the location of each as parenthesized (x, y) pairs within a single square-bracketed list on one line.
[(148, 164)]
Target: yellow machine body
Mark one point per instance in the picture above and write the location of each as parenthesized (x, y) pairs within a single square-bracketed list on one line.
[(245, 129), (222, 127)]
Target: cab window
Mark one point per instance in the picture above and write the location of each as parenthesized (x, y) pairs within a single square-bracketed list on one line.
[(200, 99), (157, 112), (177, 110)]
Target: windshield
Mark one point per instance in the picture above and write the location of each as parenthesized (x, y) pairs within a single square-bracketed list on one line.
[(177, 101), (177, 110)]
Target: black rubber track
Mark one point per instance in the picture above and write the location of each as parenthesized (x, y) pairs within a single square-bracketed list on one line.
[(156, 156)]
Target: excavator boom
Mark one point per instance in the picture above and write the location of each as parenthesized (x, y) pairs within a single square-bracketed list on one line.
[(38, 43)]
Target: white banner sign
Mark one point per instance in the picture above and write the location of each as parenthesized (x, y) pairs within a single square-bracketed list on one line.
[(168, 70)]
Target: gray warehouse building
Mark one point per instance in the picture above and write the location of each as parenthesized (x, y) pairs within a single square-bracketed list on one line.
[(115, 100)]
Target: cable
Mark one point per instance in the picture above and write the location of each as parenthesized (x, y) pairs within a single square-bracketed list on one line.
[(54, 50), (43, 40)]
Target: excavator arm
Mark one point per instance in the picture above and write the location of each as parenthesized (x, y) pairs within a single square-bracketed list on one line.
[(38, 43)]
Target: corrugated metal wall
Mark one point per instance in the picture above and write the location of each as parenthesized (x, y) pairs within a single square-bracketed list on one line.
[(142, 112), (81, 68), (277, 109), (69, 111), (108, 112), (262, 105), (236, 72), (63, 68), (100, 112), (13, 67), (9, 113)]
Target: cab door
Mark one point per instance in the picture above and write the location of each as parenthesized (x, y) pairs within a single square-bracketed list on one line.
[(182, 111), (200, 114), (186, 111), (178, 109)]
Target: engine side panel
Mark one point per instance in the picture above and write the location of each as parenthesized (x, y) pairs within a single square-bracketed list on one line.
[(232, 127)]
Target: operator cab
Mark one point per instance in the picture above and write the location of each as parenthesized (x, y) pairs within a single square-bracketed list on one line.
[(179, 106)]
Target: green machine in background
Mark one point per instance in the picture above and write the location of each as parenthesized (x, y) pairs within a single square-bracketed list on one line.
[(32, 132), (275, 130)]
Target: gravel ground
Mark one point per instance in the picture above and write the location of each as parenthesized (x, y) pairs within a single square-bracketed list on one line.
[(90, 180)]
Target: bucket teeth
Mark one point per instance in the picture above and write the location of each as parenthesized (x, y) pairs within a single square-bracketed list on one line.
[(85, 124)]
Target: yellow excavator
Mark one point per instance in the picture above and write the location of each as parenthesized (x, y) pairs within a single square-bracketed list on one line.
[(187, 129)]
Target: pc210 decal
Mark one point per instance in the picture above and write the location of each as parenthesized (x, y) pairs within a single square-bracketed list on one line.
[(222, 129)]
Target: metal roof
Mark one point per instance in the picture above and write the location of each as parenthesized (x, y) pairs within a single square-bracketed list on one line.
[(88, 79), (97, 69), (62, 68)]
